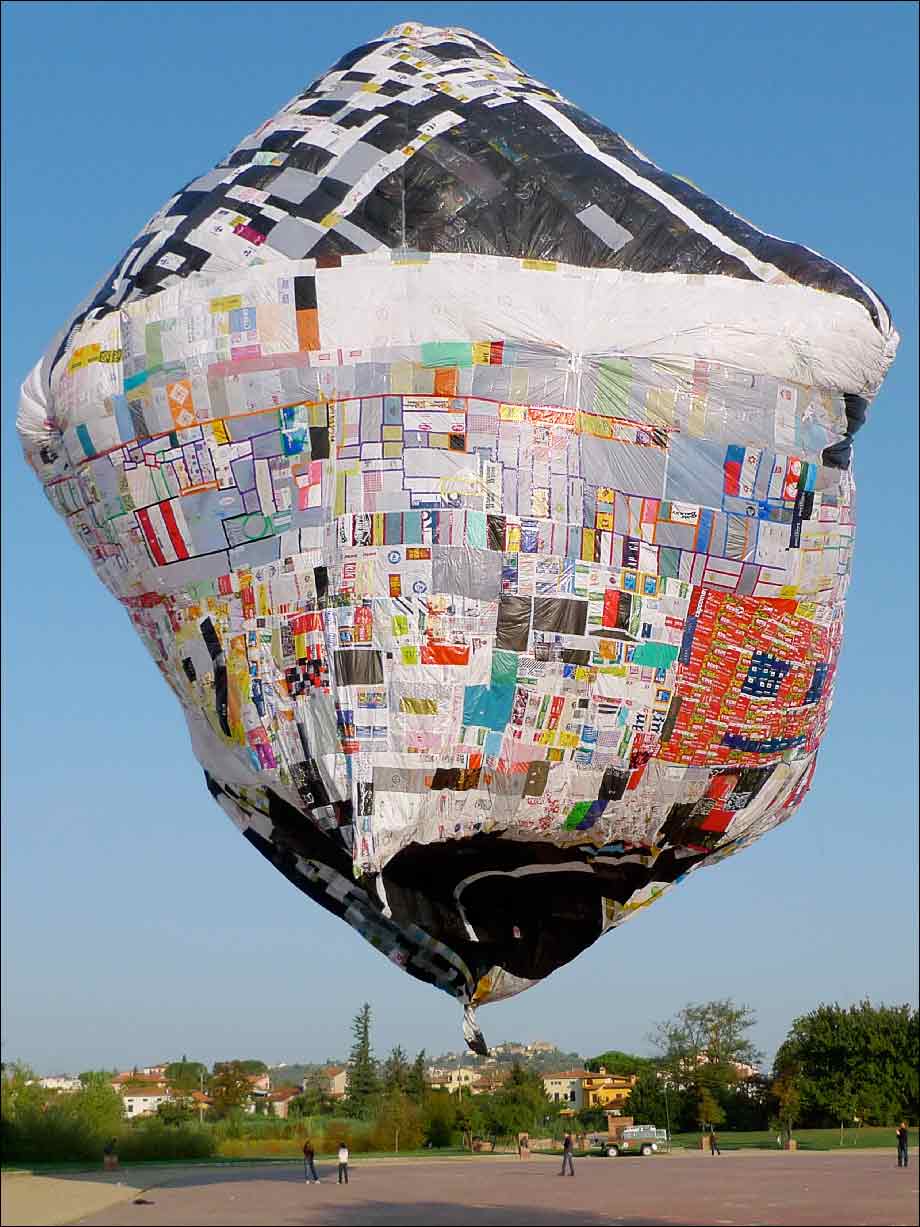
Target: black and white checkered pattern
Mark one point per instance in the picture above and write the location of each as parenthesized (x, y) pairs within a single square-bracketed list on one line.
[(432, 139)]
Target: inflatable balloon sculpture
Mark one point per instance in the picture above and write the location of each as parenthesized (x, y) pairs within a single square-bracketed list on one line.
[(482, 491)]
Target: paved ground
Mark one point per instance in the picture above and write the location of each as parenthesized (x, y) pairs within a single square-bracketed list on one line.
[(51, 1201), (785, 1190)]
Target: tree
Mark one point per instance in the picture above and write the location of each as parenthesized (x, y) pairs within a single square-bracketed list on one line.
[(396, 1071), (97, 1075), (398, 1124), (466, 1119), (708, 1109), (230, 1087), (519, 1107), (703, 1047), (363, 1082), (417, 1081), (747, 1104), (860, 1060), (97, 1106), (592, 1120), (842, 1102), (186, 1075), (248, 1067), (649, 1102), (22, 1095), (617, 1062), (176, 1111), (315, 1099), (786, 1094)]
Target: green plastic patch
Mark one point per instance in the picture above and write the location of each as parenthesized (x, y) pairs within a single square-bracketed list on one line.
[(447, 353), (576, 815)]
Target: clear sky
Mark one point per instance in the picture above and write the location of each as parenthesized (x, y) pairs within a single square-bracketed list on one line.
[(138, 925)]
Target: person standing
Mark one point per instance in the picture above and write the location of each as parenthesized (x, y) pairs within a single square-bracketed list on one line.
[(902, 1144), (109, 1155), (713, 1143), (309, 1170), (343, 1164), (567, 1148)]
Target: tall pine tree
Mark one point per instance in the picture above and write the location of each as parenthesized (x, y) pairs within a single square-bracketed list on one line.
[(396, 1071), (363, 1081), (417, 1082)]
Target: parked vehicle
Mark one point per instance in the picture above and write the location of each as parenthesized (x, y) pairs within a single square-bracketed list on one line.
[(637, 1140)]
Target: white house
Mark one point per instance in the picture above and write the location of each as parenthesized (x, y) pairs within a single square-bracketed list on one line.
[(566, 1087), (452, 1079), (60, 1082), (143, 1101)]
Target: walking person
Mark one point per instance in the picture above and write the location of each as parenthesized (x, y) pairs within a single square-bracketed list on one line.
[(309, 1170), (567, 1148), (343, 1164), (902, 1144), (713, 1143)]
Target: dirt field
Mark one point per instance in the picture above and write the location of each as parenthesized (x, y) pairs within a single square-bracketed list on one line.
[(786, 1190)]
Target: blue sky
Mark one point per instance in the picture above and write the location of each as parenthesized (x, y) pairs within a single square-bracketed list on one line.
[(138, 925)]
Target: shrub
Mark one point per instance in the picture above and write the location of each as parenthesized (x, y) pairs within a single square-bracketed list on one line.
[(152, 1139), (398, 1124)]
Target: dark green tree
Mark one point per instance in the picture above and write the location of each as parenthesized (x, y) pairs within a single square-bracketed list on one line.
[(178, 1111), (363, 1080), (416, 1081), (396, 1072), (858, 1061), (186, 1075), (592, 1120), (466, 1119), (521, 1106), (786, 1094), (649, 1102), (616, 1062)]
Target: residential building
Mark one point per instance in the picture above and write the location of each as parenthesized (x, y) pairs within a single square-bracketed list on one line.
[(60, 1082), (567, 1087), (333, 1080), (260, 1084), (487, 1083), (603, 1090), (143, 1100), (130, 1078), (280, 1100), (452, 1080), (156, 1071)]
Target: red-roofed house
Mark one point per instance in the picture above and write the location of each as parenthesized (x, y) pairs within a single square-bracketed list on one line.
[(280, 1100)]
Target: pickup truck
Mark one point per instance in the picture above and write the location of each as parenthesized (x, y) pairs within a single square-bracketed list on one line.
[(636, 1140)]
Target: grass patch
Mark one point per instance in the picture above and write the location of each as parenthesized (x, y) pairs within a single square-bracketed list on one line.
[(868, 1138)]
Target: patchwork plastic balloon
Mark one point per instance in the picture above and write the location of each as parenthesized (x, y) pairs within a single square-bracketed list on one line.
[(482, 491)]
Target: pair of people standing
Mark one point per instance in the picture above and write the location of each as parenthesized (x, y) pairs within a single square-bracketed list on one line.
[(309, 1167)]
